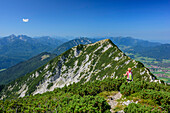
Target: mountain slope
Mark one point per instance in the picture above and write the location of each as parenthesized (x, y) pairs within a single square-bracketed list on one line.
[(79, 64), (28, 66), (25, 67), (67, 45), (129, 41), (14, 49), (159, 52), (49, 41)]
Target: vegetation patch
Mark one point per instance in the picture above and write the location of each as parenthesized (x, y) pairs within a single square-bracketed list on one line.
[(105, 94), (90, 97)]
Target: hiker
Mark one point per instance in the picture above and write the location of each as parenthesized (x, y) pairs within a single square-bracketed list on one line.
[(129, 75)]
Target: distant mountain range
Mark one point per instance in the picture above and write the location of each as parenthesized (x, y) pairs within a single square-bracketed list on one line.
[(14, 49), (159, 52), (67, 45), (129, 41)]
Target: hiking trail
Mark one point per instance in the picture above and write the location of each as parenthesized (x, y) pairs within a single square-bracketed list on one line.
[(112, 101)]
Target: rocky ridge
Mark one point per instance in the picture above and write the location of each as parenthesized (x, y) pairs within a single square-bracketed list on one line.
[(81, 63)]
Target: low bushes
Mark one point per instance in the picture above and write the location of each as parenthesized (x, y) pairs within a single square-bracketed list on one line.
[(138, 108), (160, 97), (133, 87), (80, 97), (57, 102)]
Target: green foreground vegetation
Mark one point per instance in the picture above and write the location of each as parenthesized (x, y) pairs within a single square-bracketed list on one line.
[(88, 98)]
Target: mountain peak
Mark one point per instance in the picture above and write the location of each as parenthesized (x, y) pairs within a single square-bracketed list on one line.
[(106, 44), (12, 35), (23, 37), (103, 41)]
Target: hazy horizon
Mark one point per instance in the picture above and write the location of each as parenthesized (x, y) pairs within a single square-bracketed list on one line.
[(73, 37)]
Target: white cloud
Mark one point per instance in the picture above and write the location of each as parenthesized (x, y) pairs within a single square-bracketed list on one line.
[(25, 19)]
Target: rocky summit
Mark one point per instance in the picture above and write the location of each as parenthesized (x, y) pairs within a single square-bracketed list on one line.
[(81, 63)]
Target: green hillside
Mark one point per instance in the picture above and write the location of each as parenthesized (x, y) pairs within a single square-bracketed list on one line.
[(25, 67), (79, 64)]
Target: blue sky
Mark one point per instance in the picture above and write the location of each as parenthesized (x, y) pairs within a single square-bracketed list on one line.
[(143, 19)]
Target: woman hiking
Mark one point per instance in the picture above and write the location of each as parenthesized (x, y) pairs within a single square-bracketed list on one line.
[(129, 75)]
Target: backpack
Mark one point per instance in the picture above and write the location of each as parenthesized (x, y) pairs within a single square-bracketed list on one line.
[(130, 76)]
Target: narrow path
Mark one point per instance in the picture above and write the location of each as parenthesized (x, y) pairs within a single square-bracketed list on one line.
[(112, 100)]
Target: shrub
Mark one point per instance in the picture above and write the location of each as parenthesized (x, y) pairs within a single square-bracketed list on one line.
[(138, 108), (160, 97), (133, 87)]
